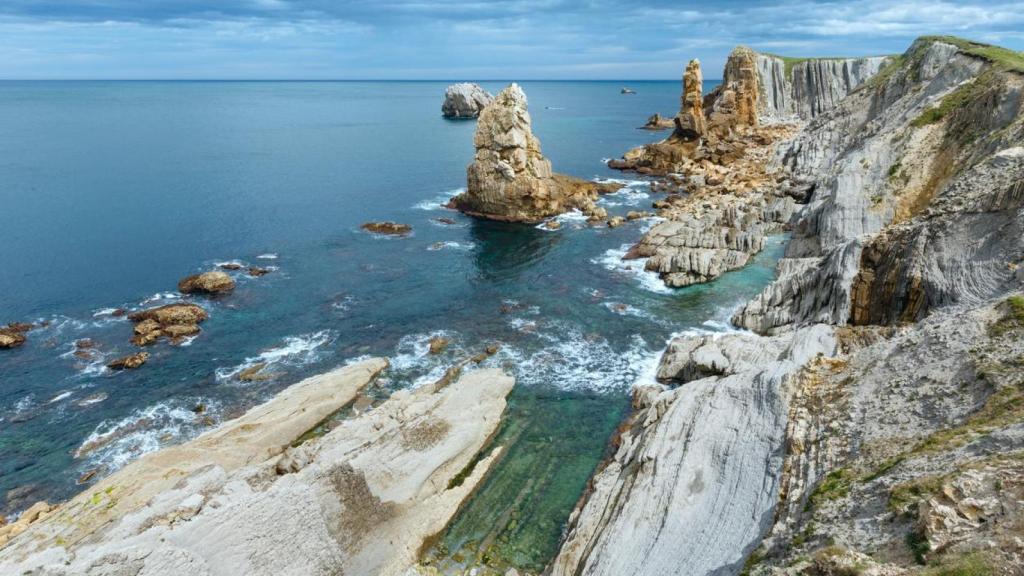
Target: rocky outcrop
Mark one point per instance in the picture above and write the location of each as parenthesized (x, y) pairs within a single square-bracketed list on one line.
[(464, 100), (213, 282), (509, 179), (173, 321), (735, 102), (696, 473), (13, 334), (252, 497)]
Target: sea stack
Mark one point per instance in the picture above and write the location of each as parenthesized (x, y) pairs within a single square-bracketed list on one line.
[(690, 124), (464, 100), (509, 179)]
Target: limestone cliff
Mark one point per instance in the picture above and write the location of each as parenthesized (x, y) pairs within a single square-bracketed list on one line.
[(902, 441), (509, 178), (255, 496), (806, 87)]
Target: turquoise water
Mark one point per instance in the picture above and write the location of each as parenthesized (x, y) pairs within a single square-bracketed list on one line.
[(112, 191)]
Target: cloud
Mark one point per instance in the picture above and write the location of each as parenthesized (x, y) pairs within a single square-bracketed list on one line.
[(519, 39)]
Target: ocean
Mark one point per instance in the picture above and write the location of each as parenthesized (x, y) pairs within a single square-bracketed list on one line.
[(110, 192)]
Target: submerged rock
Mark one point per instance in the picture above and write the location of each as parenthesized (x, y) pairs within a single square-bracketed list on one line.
[(438, 344), (464, 100), (213, 282), (658, 122), (509, 179), (389, 228), (129, 362)]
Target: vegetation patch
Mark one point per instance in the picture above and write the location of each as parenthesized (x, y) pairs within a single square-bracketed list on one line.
[(955, 100), (976, 564), (836, 485), (1003, 58), (902, 496), (1004, 407), (1012, 319), (918, 545)]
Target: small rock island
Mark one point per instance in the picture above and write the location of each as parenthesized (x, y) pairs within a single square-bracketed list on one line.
[(510, 180)]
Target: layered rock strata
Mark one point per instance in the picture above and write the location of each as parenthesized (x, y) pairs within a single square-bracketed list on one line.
[(464, 100), (510, 180), (913, 207), (694, 479), (252, 498), (899, 446)]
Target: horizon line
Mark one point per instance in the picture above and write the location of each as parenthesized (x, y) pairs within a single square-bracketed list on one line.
[(345, 80)]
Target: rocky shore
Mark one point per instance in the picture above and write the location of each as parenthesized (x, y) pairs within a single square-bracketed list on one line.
[(869, 421), (875, 428), (261, 495)]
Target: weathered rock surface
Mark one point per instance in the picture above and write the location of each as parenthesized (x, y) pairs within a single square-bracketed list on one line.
[(361, 499), (510, 179), (173, 321), (696, 474), (464, 100)]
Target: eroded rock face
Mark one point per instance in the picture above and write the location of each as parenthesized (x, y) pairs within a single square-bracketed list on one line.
[(464, 100), (735, 100), (361, 499), (212, 282), (510, 179), (813, 85)]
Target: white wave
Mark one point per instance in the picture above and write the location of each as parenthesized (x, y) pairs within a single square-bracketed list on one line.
[(160, 297), (612, 260), (344, 304), (438, 202), (223, 263), (579, 362), (268, 256), (114, 443), (92, 399), (295, 351), (106, 312), (626, 310), (450, 245), (629, 195), (64, 394), (573, 218), (413, 362)]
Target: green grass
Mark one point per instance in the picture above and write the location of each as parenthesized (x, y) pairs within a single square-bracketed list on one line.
[(1012, 319), (976, 564), (836, 485), (918, 545), (959, 98), (904, 495), (1003, 58)]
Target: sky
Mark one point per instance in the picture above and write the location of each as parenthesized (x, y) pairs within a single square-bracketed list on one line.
[(459, 39)]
